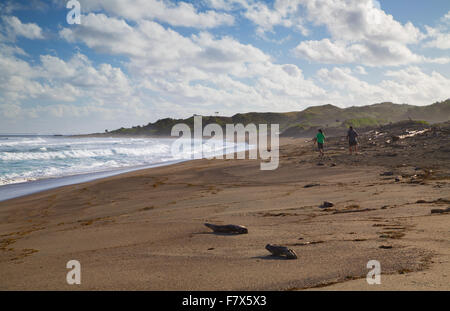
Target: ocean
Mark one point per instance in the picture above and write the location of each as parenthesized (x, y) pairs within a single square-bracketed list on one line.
[(34, 163)]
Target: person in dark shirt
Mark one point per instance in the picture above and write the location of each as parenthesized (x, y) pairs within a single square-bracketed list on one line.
[(352, 140)]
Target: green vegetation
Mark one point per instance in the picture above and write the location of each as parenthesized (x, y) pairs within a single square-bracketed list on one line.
[(363, 122), (299, 123)]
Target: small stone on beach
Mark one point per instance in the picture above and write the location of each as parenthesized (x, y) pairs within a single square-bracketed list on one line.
[(326, 204), (440, 211), (227, 228), (311, 185), (387, 173)]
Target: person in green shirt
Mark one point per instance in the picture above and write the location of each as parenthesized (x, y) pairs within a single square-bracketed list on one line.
[(320, 140)]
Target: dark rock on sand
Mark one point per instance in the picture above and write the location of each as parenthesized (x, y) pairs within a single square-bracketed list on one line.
[(326, 204), (278, 250), (440, 211), (311, 185), (227, 228), (387, 173)]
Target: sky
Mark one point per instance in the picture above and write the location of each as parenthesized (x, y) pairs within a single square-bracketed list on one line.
[(131, 62)]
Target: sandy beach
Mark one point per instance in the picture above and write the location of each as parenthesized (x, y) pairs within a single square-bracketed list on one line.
[(145, 230)]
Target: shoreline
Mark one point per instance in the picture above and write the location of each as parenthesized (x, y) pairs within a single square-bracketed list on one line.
[(21, 189), (24, 188)]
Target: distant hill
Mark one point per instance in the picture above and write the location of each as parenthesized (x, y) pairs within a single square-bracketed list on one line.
[(305, 123)]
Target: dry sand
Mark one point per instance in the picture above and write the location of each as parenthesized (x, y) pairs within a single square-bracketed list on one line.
[(144, 230)]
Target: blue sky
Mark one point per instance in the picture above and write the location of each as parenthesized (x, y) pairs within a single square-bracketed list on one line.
[(133, 62)]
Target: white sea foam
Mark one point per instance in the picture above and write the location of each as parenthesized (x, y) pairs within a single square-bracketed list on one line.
[(83, 153), (22, 142), (30, 158)]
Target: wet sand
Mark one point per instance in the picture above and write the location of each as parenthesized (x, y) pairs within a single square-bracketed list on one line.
[(144, 230)]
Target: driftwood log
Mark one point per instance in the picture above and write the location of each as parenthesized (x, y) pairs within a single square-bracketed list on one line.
[(227, 228), (278, 250), (440, 211)]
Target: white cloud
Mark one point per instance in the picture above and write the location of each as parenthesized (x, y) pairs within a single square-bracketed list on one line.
[(15, 28), (284, 13), (355, 20), (175, 14), (203, 71), (360, 70), (439, 36), (115, 36), (60, 87), (342, 79), (360, 33), (409, 85), (155, 50), (364, 52), (440, 41), (446, 17), (414, 86), (325, 51), (225, 5)]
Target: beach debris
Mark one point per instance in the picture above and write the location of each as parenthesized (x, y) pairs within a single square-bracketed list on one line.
[(413, 133), (278, 250), (415, 179), (386, 246), (440, 210), (386, 154), (389, 173), (307, 243), (398, 178), (326, 204), (311, 185), (236, 229), (437, 201), (354, 211), (320, 164), (333, 164), (392, 235), (268, 214)]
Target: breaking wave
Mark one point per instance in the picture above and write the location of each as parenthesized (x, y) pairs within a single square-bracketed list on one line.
[(36, 157)]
